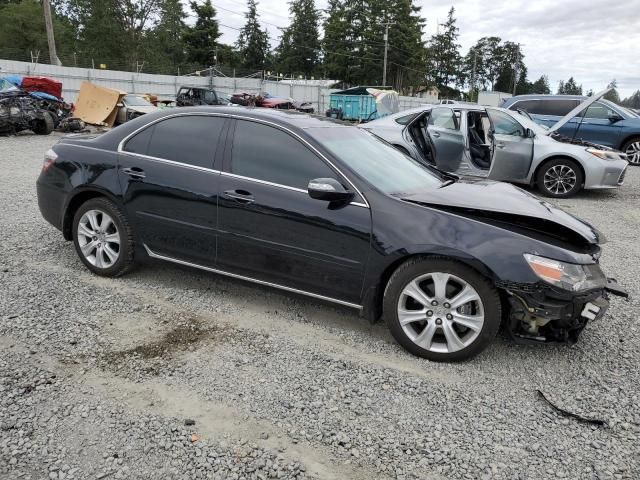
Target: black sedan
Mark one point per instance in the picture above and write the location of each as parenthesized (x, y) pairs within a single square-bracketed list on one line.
[(318, 208)]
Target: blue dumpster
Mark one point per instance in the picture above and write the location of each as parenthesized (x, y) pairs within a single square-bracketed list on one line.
[(355, 103)]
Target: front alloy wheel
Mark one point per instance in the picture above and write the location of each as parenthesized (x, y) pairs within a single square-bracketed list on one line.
[(560, 178), (440, 309)]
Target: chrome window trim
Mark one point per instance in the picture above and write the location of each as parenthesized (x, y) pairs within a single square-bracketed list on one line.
[(158, 256), (120, 148), (171, 162)]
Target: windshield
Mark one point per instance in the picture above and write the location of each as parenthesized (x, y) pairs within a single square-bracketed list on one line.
[(380, 164), (136, 101)]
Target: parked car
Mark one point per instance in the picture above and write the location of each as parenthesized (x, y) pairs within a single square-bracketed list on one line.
[(604, 122), (501, 144), (194, 96), (311, 206), (20, 111), (133, 106)]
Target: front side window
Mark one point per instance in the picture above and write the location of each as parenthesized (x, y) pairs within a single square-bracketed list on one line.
[(266, 153), (406, 119), (598, 110), (380, 164), (444, 118), (505, 124), (188, 139)]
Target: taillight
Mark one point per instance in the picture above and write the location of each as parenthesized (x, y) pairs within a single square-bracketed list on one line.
[(49, 159)]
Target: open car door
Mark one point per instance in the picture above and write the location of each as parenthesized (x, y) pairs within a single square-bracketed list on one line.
[(436, 134), (512, 146)]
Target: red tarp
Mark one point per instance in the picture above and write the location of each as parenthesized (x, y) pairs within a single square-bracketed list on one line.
[(42, 84)]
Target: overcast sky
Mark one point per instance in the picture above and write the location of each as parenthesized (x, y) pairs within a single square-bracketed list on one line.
[(594, 41)]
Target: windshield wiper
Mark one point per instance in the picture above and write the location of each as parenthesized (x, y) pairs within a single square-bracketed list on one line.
[(446, 183)]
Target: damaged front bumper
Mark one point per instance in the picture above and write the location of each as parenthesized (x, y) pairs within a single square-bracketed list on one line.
[(543, 314)]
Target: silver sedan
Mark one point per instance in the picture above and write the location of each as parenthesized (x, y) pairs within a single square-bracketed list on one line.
[(502, 145)]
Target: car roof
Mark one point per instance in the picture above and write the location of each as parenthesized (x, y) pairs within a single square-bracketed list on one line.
[(544, 97)]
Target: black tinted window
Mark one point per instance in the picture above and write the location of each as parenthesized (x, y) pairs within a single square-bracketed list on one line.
[(189, 139), (139, 143), (266, 153), (556, 107)]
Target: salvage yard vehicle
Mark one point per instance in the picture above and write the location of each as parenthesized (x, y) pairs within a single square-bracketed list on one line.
[(195, 96), (315, 207), (20, 111), (133, 106), (604, 122), (503, 145)]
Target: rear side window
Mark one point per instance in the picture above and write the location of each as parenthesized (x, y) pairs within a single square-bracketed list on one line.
[(266, 153), (444, 118), (554, 107), (185, 139)]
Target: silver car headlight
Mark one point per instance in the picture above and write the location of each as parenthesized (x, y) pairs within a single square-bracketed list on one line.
[(568, 276), (604, 154)]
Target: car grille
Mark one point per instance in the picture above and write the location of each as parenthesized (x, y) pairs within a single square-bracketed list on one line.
[(621, 177)]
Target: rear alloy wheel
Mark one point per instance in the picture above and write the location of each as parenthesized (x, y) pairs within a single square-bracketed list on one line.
[(560, 178), (441, 310), (632, 149), (103, 238)]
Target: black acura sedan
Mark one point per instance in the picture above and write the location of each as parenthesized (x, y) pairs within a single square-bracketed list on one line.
[(319, 208)]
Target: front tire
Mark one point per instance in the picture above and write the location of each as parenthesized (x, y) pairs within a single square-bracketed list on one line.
[(441, 310), (560, 178), (632, 148), (103, 238)]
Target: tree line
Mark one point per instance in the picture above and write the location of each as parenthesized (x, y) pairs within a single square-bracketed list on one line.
[(154, 36)]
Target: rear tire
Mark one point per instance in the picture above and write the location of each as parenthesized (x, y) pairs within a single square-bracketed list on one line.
[(452, 315), (560, 178), (103, 238)]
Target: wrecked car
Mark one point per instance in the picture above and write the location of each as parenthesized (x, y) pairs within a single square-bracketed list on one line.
[(318, 208), (194, 96), (20, 111), (133, 106), (503, 145)]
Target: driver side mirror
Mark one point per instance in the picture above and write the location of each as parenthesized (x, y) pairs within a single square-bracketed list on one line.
[(328, 189), (614, 117)]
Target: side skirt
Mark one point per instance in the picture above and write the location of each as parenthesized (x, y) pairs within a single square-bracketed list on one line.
[(152, 254)]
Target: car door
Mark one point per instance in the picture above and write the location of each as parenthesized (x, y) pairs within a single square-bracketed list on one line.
[(512, 147), (597, 126), (169, 185), (448, 141), (271, 230)]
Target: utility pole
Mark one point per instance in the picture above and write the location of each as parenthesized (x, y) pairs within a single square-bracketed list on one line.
[(473, 75), (53, 56), (515, 70), (386, 47)]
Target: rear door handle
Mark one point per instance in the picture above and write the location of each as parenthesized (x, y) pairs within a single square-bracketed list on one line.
[(500, 145), (435, 134), (240, 196), (134, 172)]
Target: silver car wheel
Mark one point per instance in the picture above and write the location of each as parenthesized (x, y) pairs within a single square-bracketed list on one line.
[(560, 179), (440, 312), (633, 153), (98, 238)]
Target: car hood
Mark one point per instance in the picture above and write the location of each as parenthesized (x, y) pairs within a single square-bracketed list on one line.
[(509, 207)]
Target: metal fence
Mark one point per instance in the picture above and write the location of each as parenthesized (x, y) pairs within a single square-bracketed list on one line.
[(166, 86)]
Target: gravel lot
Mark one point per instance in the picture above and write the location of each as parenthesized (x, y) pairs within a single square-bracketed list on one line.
[(174, 373)]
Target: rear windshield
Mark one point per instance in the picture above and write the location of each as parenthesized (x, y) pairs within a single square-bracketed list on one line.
[(377, 162)]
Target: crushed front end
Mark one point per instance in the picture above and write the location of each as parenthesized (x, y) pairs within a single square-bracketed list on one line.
[(556, 309)]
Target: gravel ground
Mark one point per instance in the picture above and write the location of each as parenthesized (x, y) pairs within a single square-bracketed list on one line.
[(175, 373)]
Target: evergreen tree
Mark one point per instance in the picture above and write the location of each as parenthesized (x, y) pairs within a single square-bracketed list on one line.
[(167, 39), (633, 101), (511, 65), (201, 40), (613, 95), (444, 59), (299, 49), (541, 85), (335, 44), (570, 87), (253, 42)]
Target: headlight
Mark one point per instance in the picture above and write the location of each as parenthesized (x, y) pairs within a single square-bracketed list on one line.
[(604, 154), (568, 276)]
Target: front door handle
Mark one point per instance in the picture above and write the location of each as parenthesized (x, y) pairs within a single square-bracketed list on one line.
[(134, 172), (500, 145), (240, 196), (435, 134)]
